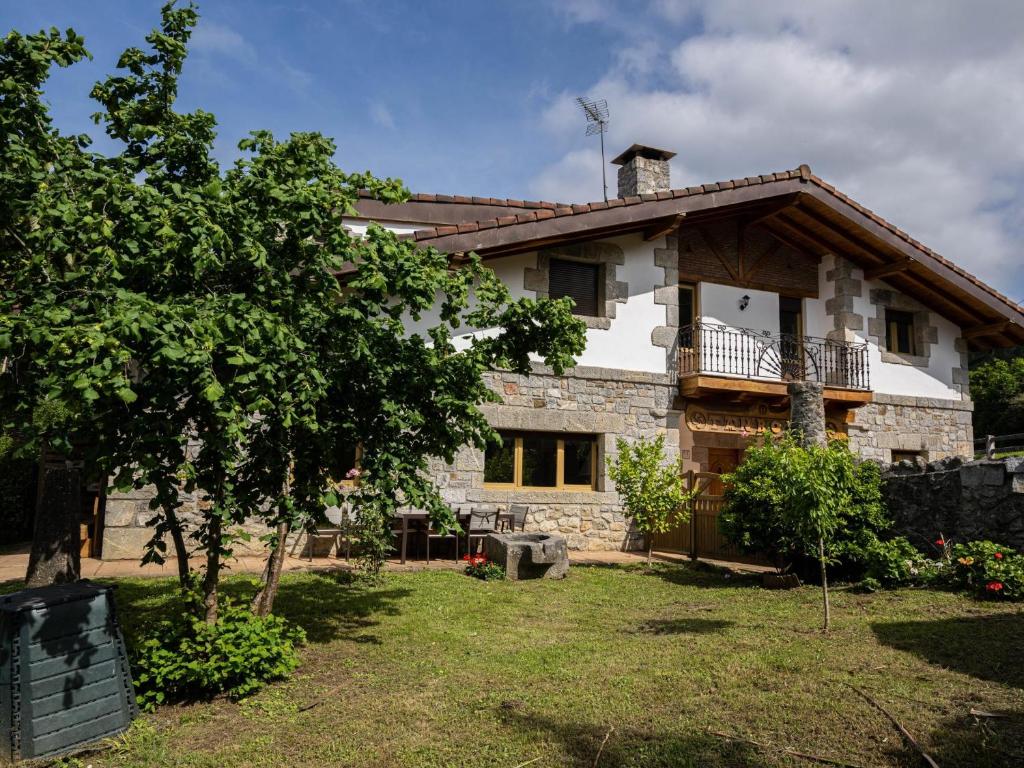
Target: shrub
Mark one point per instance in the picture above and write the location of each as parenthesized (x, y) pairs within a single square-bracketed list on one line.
[(482, 568), (757, 516), (650, 487), (187, 658), (987, 569), (891, 563)]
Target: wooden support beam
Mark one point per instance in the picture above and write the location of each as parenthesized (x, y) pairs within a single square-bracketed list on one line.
[(914, 285), (773, 211), (794, 232), (768, 252), (662, 227), (884, 270), (702, 231), (988, 329)]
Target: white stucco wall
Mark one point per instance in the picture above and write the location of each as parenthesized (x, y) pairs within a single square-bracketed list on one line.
[(359, 226), (508, 269), (721, 304), (627, 343), (933, 380)]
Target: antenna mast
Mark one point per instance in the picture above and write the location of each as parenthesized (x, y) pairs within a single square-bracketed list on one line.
[(596, 112)]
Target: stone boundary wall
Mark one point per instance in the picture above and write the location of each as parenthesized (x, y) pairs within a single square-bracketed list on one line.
[(937, 428), (962, 501)]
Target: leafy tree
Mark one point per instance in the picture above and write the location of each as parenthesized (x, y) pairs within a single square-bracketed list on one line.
[(997, 388), (221, 332), (651, 489), (788, 500)]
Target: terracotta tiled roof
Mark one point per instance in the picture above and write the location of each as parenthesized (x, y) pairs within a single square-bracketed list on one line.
[(555, 210), (421, 197), (915, 243), (542, 211)]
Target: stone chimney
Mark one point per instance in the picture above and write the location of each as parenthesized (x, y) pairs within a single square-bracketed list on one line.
[(643, 170)]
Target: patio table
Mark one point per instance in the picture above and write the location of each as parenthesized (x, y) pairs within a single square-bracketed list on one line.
[(419, 516)]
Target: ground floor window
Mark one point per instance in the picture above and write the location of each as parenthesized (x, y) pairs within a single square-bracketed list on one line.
[(342, 466), (541, 460), (898, 456)]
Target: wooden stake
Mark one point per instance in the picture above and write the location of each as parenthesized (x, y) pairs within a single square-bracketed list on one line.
[(783, 750), (601, 748), (906, 734)]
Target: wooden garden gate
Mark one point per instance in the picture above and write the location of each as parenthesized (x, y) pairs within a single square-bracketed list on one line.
[(699, 536)]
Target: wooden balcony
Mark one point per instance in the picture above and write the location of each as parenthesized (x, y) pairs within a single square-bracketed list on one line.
[(719, 359)]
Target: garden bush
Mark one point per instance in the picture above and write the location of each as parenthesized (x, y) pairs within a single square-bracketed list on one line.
[(891, 563), (187, 658), (480, 567), (986, 569), (756, 518)]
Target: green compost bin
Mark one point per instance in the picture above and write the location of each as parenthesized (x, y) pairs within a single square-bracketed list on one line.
[(64, 676)]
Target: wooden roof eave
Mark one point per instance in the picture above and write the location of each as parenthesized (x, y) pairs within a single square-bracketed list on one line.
[(925, 277), (616, 219)]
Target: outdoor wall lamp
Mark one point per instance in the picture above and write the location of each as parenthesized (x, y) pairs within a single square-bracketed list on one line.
[(744, 303)]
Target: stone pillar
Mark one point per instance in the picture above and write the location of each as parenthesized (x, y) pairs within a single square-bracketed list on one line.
[(807, 412)]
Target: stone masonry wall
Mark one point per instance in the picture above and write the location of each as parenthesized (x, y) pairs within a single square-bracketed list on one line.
[(604, 402), (962, 501), (936, 428), (125, 532)]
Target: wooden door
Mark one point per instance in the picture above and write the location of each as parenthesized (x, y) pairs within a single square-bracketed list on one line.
[(722, 461)]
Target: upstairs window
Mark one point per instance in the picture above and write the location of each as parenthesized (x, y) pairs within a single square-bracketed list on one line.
[(578, 281), (541, 460), (899, 332)]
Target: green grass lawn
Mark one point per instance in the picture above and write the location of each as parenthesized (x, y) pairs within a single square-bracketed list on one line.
[(436, 669)]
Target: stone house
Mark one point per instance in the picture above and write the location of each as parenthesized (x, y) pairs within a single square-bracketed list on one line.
[(701, 303)]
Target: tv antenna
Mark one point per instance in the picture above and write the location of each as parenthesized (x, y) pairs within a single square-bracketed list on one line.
[(596, 111)]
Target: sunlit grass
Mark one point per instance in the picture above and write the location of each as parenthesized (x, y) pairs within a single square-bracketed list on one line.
[(436, 669)]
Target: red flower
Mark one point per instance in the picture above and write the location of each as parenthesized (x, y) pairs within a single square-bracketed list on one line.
[(998, 555), (940, 543), (994, 586)]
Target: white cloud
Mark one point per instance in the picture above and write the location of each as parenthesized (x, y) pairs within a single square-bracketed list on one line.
[(914, 108), (381, 115), (210, 37)]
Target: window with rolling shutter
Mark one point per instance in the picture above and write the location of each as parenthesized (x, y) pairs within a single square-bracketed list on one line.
[(579, 282)]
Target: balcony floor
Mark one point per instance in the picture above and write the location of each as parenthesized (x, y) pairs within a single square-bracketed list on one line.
[(699, 386)]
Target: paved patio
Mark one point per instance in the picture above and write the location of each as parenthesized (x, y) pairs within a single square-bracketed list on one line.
[(13, 564)]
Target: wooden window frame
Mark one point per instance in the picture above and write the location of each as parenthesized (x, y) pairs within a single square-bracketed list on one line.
[(892, 332), (904, 455), (345, 482), (560, 484)]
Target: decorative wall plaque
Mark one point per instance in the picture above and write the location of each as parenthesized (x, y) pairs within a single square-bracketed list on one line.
[(749, 420), (736, 419)]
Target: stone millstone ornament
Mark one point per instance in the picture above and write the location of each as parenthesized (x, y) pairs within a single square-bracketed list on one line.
[(528, 555)]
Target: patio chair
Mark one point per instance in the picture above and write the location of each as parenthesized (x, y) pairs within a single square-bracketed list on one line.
[(347, 528), (482, 521), (518, 512), (432, 533)]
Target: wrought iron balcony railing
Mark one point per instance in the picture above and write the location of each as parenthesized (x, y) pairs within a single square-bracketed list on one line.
[(719, 349)]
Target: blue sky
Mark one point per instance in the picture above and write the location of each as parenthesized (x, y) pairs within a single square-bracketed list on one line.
[(914, 108), (444, 95)]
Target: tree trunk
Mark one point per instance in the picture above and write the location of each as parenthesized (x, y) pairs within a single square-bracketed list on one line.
[(263, 603), (56, 537), (824, 583), (180, 550), (212, 577), (650, 549)]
